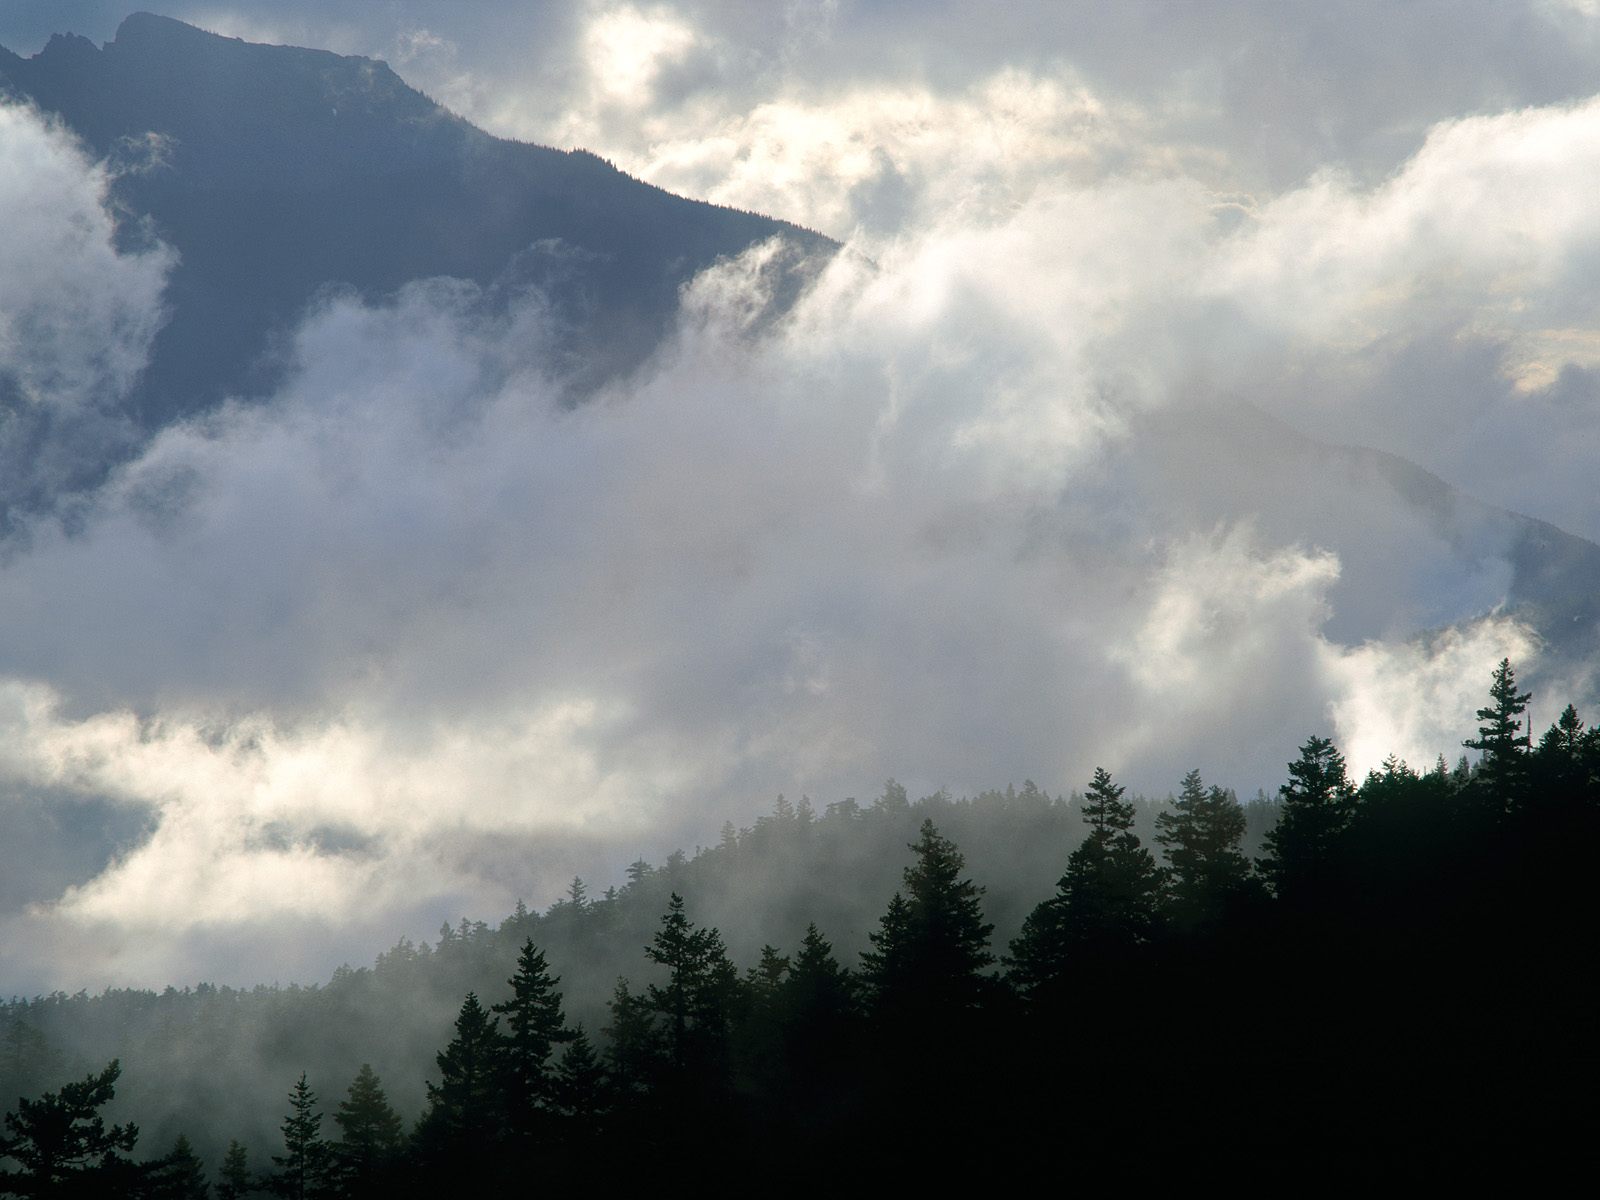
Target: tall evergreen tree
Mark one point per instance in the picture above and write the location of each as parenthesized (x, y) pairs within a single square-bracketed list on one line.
[(535, 1026), (1502, 775), (580, 1092), (463, 1106), (371, 1135), (179, 1175), (817, 1009), (235, 1180), (698, 1000), (758, 1041), (1107, 903), (931, 951), (1317, 804), (634, 1054), (1201, 834), (305, 1166), (1566, 766)]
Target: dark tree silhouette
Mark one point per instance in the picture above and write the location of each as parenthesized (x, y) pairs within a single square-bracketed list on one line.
[(635, 1050), (305, 1168), (371, 1136), (697, 1003), (931, 950), (461, 1130), (581, 1092), (1201, 834), (535, 1026), (179, 1175), (235, 1179), (1502, 775), (816, 1006), (1566, 764), (1106, 904), (1317, 804), (63, 1147)]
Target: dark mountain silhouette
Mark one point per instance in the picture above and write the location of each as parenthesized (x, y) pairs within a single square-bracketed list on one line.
[(276, 171)]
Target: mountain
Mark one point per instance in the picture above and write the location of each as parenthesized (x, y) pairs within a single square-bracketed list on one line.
[(276, 172), (1416, 554)]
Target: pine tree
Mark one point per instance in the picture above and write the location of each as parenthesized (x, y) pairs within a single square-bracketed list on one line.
[(535, 1026), (816, 1006), (634, 1054), (759, 1034), (580, 1092), (305, 1166), (815, 982), (1317, 804), (62, 1145), (179, 1175), (931, 950), (371, 1134), (235, 1179), (463, 1104), (1503, 770), (1200, 835), (697, 1003), (1107, 904), (1566, 766)]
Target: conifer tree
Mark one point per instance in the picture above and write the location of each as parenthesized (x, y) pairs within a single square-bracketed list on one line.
[(371, 1135), (697, 1002), (1107, 903), (1317, 804), (886, 969), (179, 1175), (815, 983), (931, 950), (816, 1005), (634, 1054), (62, 1145), (1200, 834), (1566, 765), (759, 1032), (235, 1179), (1502, 775), (463, 1105), (305, 1166), (580, 1092), (535, 1026)]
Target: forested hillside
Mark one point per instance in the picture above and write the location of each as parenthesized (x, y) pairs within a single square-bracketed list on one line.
[(1386, 974)]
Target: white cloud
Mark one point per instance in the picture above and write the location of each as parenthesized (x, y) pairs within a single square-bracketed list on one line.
[(954, 518), (76, 313), (1417, 700)]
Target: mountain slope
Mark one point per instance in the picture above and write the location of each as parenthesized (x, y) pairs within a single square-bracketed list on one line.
[(276, 171), (1416, 553)]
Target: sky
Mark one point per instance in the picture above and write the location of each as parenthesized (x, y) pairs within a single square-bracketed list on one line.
[(413, 638)]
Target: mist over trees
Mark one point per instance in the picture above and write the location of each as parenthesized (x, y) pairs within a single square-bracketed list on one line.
[(1388, 976)]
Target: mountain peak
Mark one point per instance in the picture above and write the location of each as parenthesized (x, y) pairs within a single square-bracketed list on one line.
[(145, 27), (68, 46)]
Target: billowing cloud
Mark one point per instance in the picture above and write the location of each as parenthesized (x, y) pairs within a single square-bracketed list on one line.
[(416, 634), (77, 312), (417, 602)]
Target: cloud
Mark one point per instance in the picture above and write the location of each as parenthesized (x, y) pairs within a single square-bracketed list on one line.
[(417, 634), (77, 311), (417, 601)]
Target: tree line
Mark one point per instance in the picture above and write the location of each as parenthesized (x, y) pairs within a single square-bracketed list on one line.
[(1397, 983)]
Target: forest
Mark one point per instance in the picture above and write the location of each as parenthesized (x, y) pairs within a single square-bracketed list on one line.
[(1387, 979)]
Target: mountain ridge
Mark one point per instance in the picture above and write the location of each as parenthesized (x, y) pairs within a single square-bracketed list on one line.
[(285, 170)]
